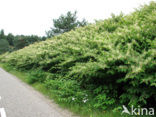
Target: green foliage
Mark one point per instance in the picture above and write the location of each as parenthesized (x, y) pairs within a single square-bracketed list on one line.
[(10, 39), (112, 61), (2, 35), (103, 97), (21, 41), (65, 23), (17, 42), (4, 46), (66, 90), (36, 76)]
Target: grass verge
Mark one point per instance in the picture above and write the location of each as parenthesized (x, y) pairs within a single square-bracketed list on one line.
[(77, 109), (80, 110)]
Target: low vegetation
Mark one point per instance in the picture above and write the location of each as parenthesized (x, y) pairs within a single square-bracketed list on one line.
[(101, 66)]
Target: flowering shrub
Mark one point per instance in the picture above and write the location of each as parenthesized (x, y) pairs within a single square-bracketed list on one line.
[(112, 61)]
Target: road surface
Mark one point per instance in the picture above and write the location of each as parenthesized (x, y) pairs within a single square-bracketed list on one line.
[(17, 99)]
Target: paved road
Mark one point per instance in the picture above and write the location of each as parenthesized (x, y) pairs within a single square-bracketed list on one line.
[(20, 100)]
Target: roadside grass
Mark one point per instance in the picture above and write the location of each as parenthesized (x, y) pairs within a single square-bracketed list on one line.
[(77, 109), (82, 111)]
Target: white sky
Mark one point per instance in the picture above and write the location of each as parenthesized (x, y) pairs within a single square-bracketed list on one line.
[(35, 16)]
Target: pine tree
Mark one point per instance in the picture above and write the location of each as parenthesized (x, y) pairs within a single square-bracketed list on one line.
[(65, 23)]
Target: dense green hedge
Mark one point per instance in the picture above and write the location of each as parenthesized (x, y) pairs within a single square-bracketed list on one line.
[(104, 64)]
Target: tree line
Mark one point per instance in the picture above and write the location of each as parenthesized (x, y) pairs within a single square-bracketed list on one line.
[(11, 42), (64, 23)]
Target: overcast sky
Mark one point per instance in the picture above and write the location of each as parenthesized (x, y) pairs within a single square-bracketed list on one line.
[(35, 16)]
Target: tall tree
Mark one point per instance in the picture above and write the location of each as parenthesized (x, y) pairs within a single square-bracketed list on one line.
[(10, 39), (65, 23), (2, 35)]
